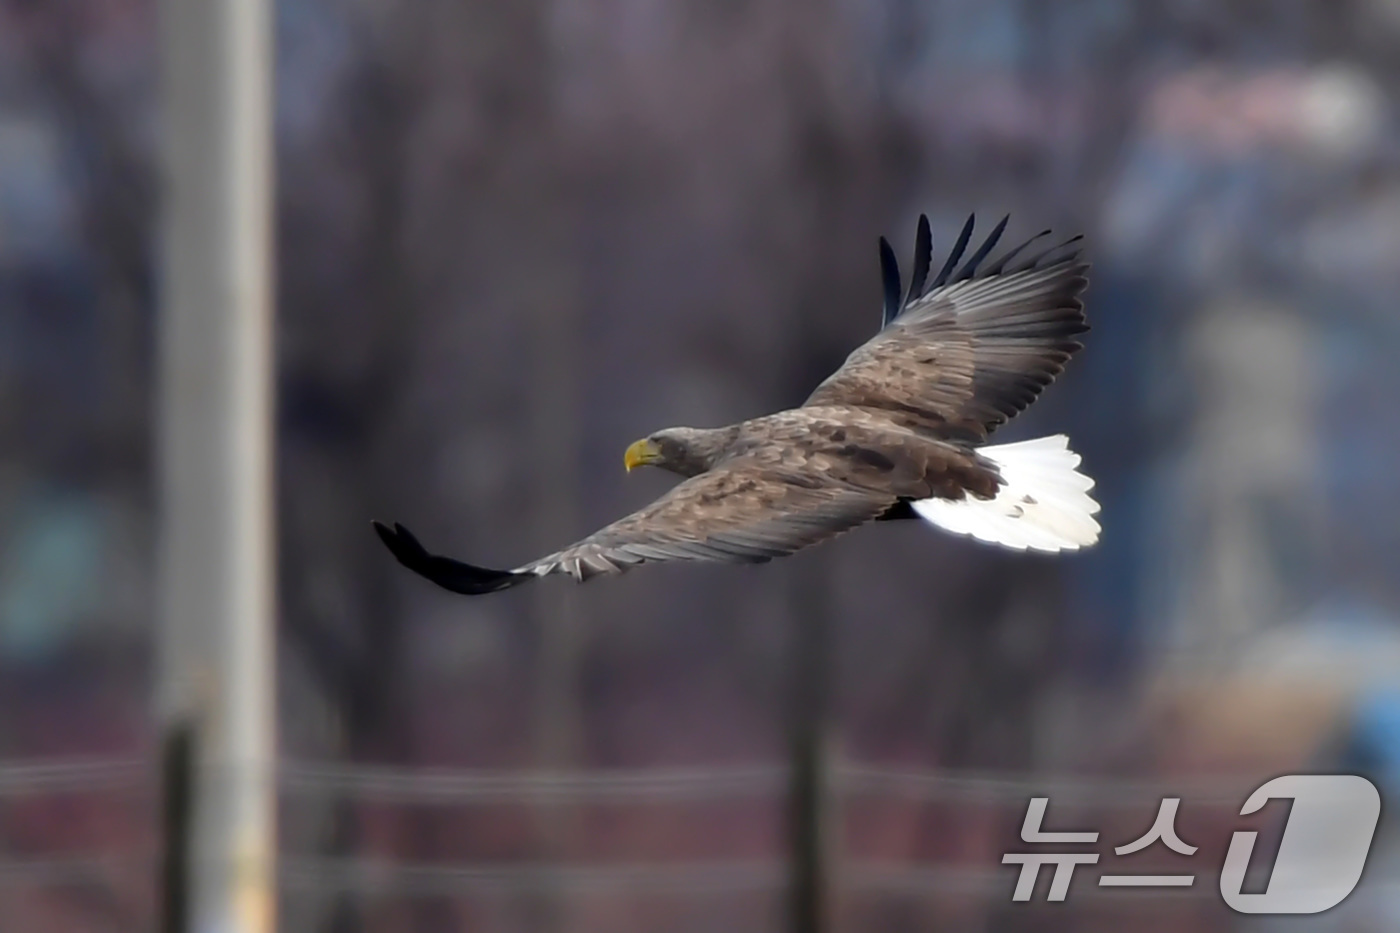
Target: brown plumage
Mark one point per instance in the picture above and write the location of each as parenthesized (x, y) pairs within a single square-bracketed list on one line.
[(899, 424)]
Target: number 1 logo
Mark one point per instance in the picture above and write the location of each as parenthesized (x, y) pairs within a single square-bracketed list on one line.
[(1323, 850)]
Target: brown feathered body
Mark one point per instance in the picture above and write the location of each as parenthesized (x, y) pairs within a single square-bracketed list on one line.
[(781, 483)]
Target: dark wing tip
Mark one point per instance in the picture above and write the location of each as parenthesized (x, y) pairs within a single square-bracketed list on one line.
[(969, 269), (889, 277), (1051, 255), (956, 255), (1000, 265), (444, 571), (923, 258)]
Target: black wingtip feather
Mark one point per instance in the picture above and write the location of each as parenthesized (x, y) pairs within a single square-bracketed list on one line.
[(444, 571), (969, 269), (889, 277), (919, 287), (997, 267), (1033, 261), (923, 259), (956, 255)]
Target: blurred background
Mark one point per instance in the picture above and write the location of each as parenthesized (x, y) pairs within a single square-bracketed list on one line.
[(514, 237)]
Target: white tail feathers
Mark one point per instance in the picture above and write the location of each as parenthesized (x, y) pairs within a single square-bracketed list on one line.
[(1043, 503)]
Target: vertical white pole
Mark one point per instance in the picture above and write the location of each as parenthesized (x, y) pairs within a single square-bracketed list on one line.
[(216, 547)]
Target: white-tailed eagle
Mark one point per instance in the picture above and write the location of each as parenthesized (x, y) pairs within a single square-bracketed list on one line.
[(899, 431)]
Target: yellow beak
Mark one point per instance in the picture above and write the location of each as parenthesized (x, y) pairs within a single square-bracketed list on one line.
[(641, 453)]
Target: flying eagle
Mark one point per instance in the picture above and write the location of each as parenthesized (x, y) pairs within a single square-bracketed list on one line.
[(899, 431)]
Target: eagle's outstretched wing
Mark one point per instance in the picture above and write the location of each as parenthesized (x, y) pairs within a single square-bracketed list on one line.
[(960, 359), (741, 512)]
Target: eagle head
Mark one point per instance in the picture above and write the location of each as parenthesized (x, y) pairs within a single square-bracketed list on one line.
[(687, 451)]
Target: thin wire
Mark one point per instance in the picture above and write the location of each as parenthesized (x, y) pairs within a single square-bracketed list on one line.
[(374, 876), (74, 871), (863, 780), (400, 785), (867, 877), (27, 777), (408, 786), (369, 877)]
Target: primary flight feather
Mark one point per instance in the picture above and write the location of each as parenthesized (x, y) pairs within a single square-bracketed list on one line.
[(899, 431)]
